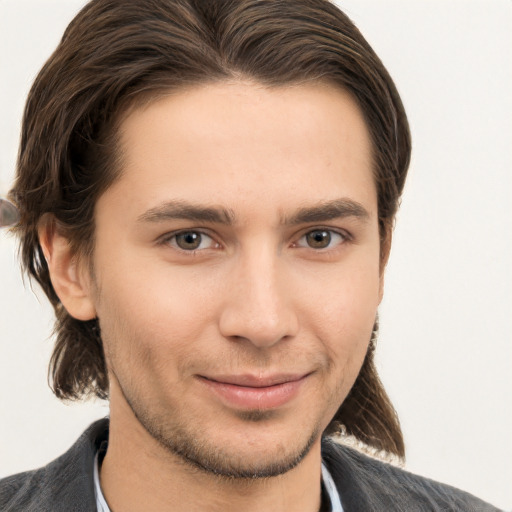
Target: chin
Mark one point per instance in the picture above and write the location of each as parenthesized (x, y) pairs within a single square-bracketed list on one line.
[(243, 462), (254, 447)]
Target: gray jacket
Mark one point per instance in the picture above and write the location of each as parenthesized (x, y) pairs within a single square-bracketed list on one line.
[(364, 484)]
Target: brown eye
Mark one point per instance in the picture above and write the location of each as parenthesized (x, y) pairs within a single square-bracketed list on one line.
[(319, 239), (189, 240)]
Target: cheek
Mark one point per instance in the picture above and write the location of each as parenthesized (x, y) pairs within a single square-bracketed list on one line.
[(151, 318), (346, 307)]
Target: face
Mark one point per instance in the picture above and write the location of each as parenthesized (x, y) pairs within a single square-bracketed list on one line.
[(237, 271)]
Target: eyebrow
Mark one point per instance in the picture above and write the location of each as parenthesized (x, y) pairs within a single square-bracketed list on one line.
[(325, 211), (329, 210), (187, 211)]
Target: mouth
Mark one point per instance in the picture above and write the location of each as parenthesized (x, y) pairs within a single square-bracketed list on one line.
[(255, 391)]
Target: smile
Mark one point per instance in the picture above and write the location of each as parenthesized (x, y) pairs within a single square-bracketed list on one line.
[(251, 392)]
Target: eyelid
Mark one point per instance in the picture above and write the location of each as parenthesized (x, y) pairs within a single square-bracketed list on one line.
[(168, 237), (347, 237)]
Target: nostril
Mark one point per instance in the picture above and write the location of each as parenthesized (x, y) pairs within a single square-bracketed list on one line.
[(261, 331)]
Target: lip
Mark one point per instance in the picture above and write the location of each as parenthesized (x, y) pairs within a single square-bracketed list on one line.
[(255, 392)]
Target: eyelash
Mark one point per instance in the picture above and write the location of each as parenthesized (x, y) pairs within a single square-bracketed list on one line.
[(345, 237), (170, 239)]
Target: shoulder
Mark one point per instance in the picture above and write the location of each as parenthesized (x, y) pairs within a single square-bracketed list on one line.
[(66, 484), (18, 492), (369, 484)]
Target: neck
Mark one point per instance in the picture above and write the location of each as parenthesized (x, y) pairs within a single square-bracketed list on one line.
[(139, 474)]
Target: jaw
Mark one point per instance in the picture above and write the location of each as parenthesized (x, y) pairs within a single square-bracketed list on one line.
[(280, 480)]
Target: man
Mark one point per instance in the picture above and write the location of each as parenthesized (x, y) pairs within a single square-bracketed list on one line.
[(207, 192)]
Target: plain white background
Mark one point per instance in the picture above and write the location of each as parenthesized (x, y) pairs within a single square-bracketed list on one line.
[(445, 351)]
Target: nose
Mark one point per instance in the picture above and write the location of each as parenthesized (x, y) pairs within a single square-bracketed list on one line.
[(259, 305)]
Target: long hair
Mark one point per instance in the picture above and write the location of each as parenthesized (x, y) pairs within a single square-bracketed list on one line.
[(116, 54)]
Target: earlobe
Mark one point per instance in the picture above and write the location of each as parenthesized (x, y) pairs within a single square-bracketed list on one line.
[(70, 282)]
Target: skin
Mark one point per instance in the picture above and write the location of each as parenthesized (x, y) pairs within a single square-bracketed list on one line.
[(270, 295)]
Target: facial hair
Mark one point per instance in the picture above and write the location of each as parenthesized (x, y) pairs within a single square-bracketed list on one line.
[(192, 446)]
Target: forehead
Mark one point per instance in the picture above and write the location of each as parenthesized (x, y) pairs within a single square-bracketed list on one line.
[(239, 143)]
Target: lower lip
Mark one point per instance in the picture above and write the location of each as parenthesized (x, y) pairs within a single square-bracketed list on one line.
[(245, 397)]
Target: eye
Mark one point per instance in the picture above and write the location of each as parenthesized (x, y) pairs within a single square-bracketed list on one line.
[(191, 241), (321, 239)]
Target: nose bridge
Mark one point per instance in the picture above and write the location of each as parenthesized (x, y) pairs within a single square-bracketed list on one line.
[(259, 307)]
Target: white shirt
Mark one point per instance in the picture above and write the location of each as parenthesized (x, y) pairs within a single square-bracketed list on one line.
[(326, 477), (101, 504)]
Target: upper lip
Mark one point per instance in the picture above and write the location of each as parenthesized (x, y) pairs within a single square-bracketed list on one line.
[(256, 381)]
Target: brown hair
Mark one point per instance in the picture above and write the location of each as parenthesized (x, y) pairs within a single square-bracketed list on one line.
[(114, 53)]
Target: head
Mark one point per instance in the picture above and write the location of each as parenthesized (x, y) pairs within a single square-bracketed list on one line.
[(119, 62)]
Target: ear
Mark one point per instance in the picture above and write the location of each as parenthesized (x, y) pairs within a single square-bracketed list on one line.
[(70, 279), (385, 249)]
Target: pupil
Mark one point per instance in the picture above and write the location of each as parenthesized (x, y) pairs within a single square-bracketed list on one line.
[(319, 239), (189, 240)]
